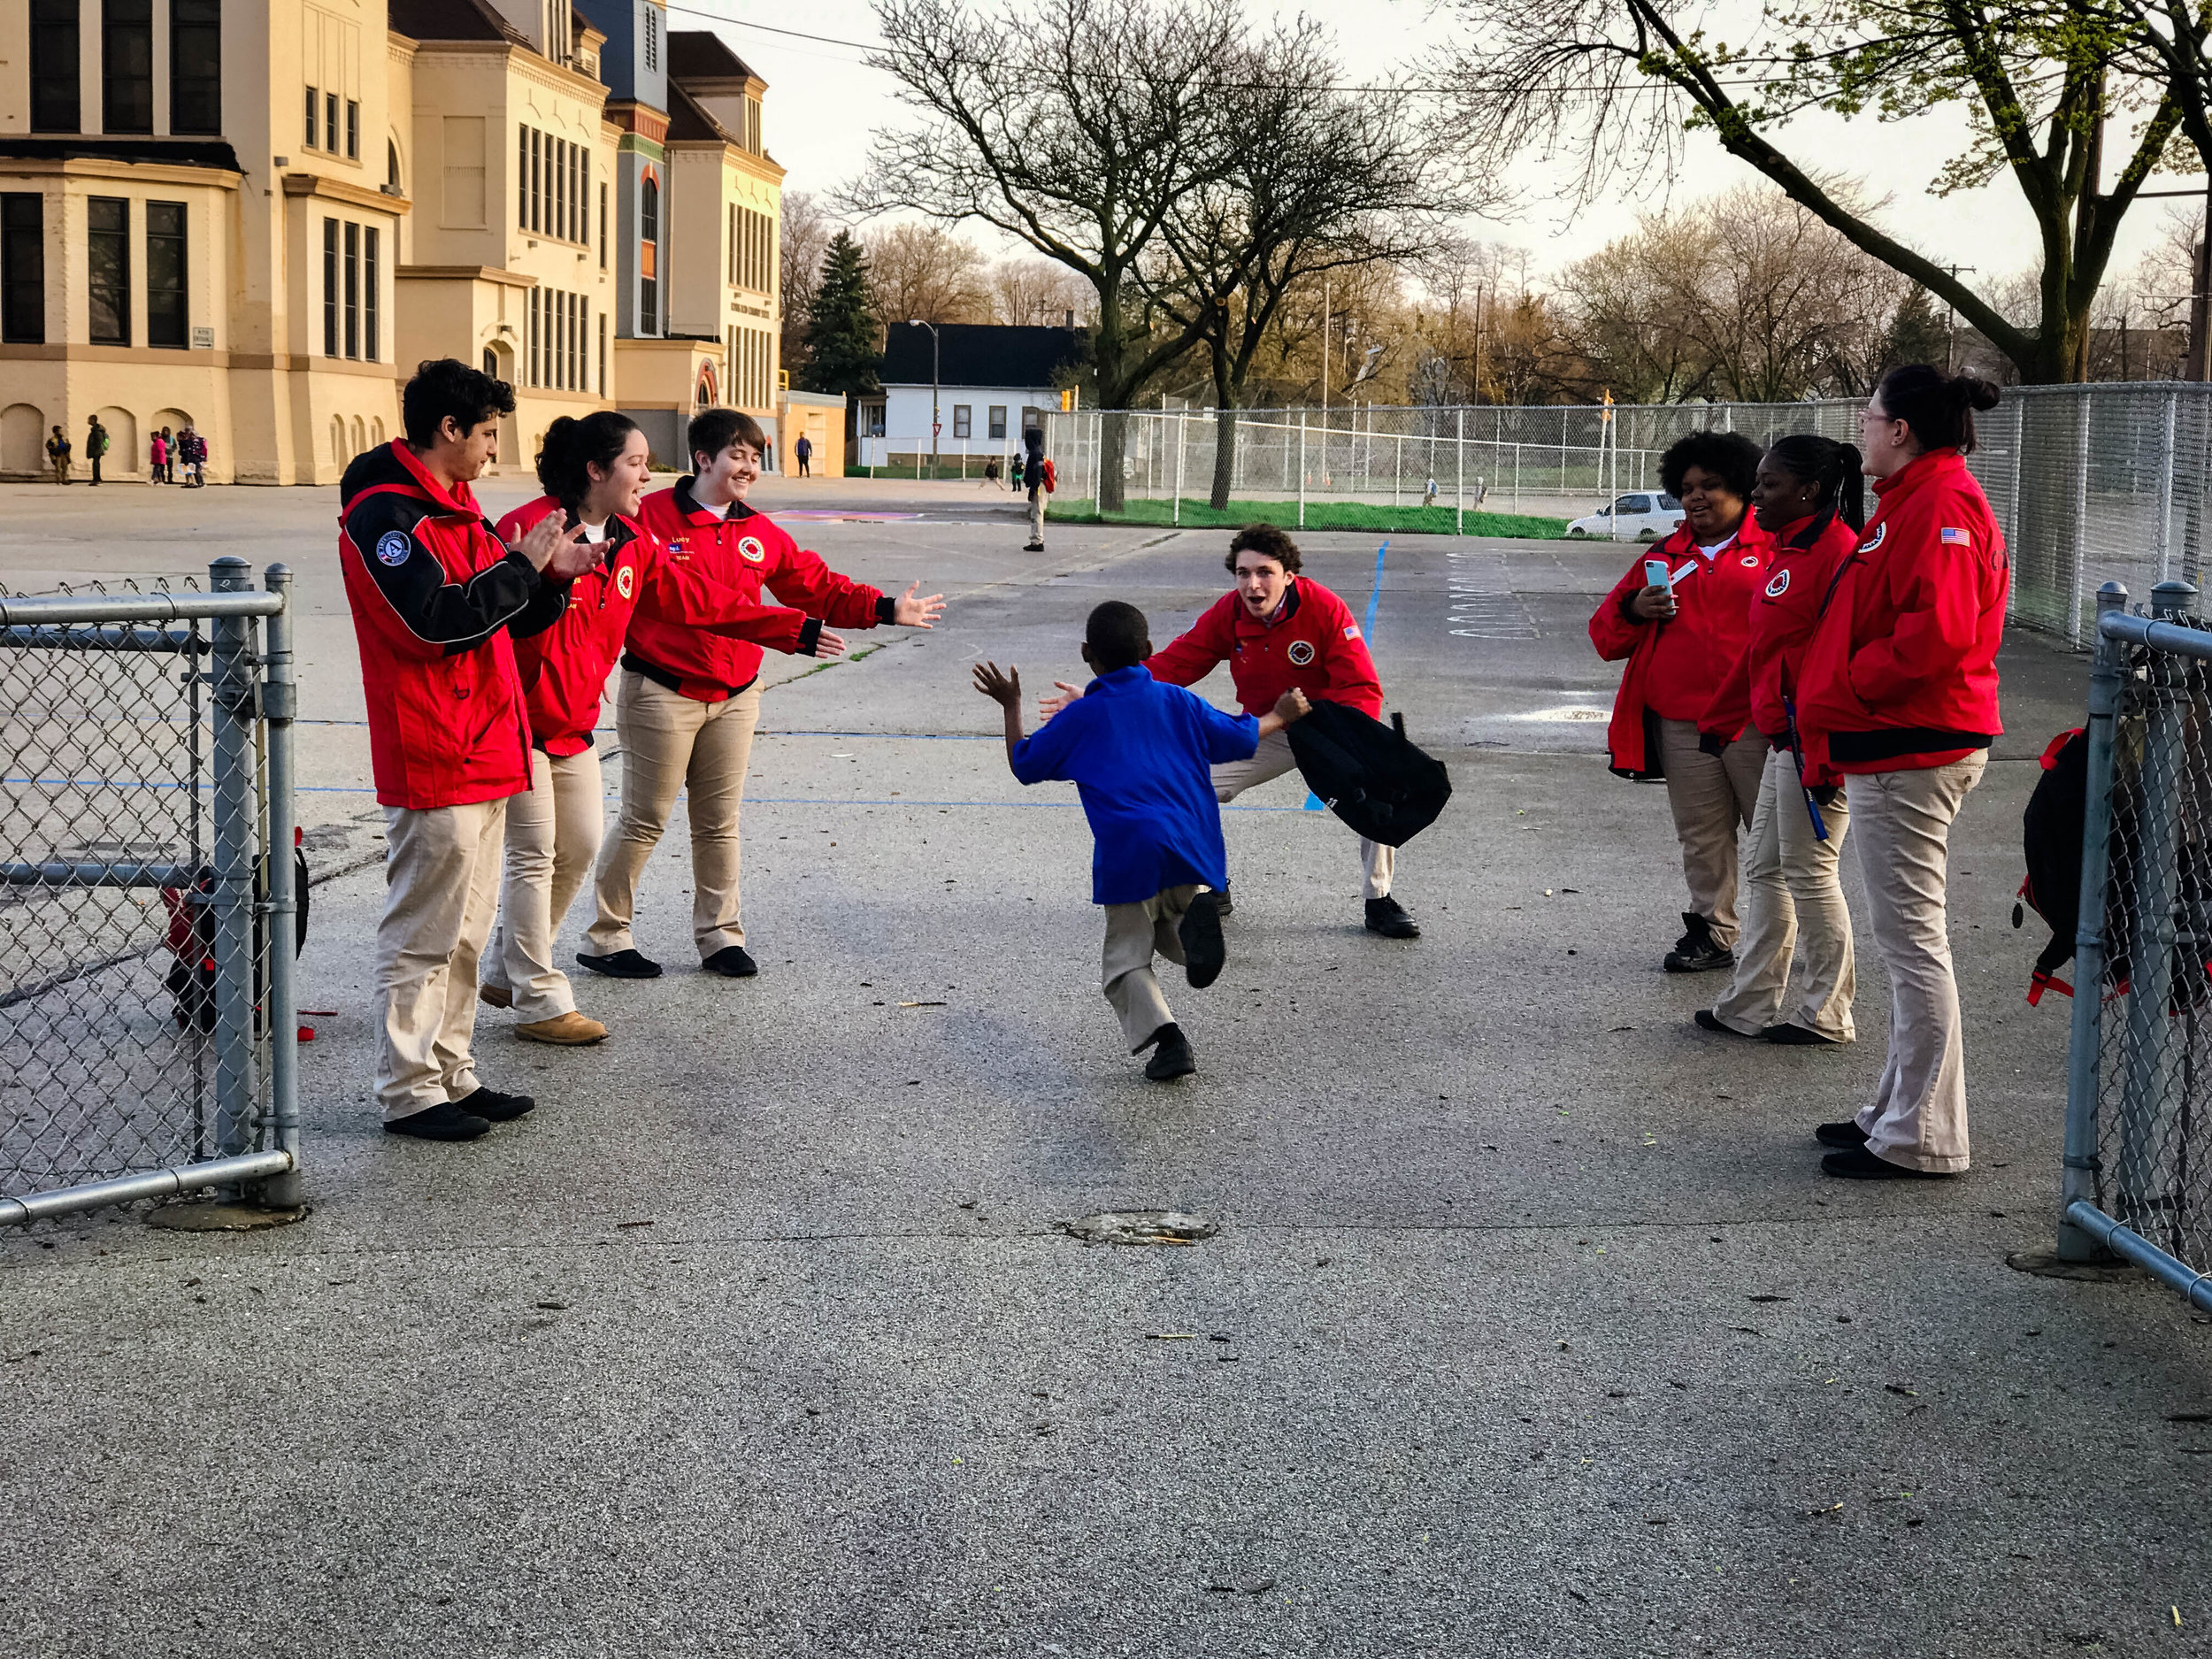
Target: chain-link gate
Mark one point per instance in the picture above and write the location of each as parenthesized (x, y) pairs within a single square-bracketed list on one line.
[(149, 899)]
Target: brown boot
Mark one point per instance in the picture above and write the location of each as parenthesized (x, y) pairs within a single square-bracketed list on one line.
[(495, 995), (571, 1030)]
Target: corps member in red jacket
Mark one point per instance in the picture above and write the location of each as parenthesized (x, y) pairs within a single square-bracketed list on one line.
[(594, 470), (690, 698), (1899, 694), (1681, 638), (435, 596), (1790, 895)]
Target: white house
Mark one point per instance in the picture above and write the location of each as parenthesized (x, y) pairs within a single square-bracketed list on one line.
[(987, 383)]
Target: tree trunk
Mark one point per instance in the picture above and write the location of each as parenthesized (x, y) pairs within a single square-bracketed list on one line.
[(1113, 443), (1225, 457)]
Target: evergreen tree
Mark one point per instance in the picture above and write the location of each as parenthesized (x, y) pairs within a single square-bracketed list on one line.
[(1916, 334), (842, 327)]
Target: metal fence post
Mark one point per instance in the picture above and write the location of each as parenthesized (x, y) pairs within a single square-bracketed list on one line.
[(2084, 1045), (1176, 516), (1459, 457), (2166, 492), (278, 706), (236, 808), (2152, 928), (1301, 469), (2077, 575)]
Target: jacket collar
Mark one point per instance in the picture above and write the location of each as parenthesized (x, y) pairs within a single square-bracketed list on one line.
[(1121, 680), (1918, 470), (694, 513), (460, 501)]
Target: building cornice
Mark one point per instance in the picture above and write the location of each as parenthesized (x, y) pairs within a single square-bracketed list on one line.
[(339, 190), (641, 118), (464, 273), (522, 62)]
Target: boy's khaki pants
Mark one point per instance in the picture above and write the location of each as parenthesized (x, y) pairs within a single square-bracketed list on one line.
[(1271, 759), (1711, 797), (1037, 515), (1793, 915), (1134, 935), (441, 885), (1918, 1118), (673, 743), (553, 835)]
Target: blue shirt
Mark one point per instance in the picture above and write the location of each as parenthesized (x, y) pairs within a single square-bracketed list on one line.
[(1141, 756)]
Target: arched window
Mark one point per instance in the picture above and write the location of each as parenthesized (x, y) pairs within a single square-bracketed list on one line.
[(491, 363), (391, 166), (648, 254)]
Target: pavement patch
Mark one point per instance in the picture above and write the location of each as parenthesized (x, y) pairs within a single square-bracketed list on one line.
[(1140, 1226)]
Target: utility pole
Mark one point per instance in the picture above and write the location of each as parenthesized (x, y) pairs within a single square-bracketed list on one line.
[(1474, 391), (1325, 354), (936, 375), (2200, 303)]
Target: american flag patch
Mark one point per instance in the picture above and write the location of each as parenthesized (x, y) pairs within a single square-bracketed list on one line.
[(1352, 633), (1956, 538)]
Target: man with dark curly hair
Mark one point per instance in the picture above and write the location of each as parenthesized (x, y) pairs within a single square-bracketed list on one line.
[(1681, 636)]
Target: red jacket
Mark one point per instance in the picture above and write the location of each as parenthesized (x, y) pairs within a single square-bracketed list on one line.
[(745, 552), (1674, 667), (1900, 671), (1754, 692), (564, 669), (435, 596), (1311, 642)]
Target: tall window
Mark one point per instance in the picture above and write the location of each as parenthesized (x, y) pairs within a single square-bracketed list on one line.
[(530, 340), (391, 165), (371, 294), (330, 120), (964, 420), (23, 269), (55, 106), (649, 245), (195, 65), (602, 354), (353, 289), (164, 275), (108, 269), (522, 178), (314, 115), (353, 129), (652, 38), (126, 65), (602, 227), (330, 288)]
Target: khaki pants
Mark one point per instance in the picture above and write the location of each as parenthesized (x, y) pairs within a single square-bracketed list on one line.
[(1712, 797), (1918, 1118), (1037, 515), (553, 835), (671, 743), (441, 885), (61, 470), (1273, 759), (1134, 935), (1792, 914)]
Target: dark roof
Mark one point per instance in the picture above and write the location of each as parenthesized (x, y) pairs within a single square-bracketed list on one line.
[(452, 20), (176, 153), (687, 120), (701, 55), (978, 354)]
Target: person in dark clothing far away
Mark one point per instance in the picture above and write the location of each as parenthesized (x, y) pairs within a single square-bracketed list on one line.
[(95, 444), (803, 452), (1034, 480), (58, 456)]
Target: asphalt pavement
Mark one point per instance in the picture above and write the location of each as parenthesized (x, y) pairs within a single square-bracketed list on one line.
[(1530, 1325)]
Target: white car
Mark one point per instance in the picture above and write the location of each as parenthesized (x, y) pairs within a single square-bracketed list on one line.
[(1645, 516)]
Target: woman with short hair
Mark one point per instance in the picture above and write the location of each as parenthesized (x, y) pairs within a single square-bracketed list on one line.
[(1680, 638), (1808, 496)]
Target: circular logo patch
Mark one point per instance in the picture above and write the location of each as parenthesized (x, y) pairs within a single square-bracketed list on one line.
[(1780, 585), (750, 550), (393, 547), (1881, 532), (1301, 652), (626, 580)]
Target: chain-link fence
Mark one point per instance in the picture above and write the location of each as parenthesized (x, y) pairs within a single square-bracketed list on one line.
[(2090, 483), (147, 1026), (2138, 1145)]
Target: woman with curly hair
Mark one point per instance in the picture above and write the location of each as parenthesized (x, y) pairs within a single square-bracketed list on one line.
[(1681, 637)]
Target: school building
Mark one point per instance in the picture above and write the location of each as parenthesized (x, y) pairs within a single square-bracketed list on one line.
[(255, 218)]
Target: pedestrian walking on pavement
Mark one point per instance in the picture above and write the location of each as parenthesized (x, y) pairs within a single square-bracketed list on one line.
[(157, 469), (803, 452), (1034, 478), (194, 457), (1899, 695), (1789, 890), (58, 456), (1681, 619), (1143, 755), (437, 602), (95, 444)]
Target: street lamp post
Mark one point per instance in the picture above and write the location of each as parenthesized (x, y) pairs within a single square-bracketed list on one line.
[(936, 361)]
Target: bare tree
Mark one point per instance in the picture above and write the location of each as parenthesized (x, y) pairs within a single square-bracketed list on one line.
[(1037, 293), (803, 232), (921, 271), (1076, 127)]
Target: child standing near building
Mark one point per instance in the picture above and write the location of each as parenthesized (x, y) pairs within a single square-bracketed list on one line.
[(1142, 754)]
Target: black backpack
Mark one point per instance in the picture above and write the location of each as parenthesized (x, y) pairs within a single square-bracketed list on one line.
[(2051, 832), (1369, 774)]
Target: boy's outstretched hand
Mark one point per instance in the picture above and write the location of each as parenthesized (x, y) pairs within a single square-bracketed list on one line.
[(911, 612), (1291, 705), (1005, 690)]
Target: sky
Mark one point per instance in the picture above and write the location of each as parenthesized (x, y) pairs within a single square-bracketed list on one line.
[(823, 103)]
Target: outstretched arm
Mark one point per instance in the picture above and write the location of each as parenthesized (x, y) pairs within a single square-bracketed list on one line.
[(1291, 705), (1005, 690)]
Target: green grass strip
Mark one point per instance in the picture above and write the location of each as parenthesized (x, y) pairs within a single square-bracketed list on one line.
[(1320, 515)]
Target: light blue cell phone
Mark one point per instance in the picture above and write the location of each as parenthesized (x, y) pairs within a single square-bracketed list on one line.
[(1657, 575)]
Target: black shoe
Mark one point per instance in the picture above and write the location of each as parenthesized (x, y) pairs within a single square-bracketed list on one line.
[(1707, 1020), (1034, 546), (623, 964), (1222, 905), (1695, 952), (731, 963), (1859, 1164), (1172, 1058), (490, 1104), (1386, 916), (1846, 1134), (445, 1121), (1799, 1037), (1204, 954)]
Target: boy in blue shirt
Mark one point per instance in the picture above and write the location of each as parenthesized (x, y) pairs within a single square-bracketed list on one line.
[(1141, 755)]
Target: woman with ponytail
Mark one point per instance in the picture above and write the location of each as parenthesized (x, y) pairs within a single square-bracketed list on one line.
[(1807, 495), (594, 470), (1898, 693)]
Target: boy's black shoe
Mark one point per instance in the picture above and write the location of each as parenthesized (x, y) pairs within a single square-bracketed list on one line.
[(1695, 952), (1795, 1036), (1034, 546), (1859, 1164), (1203, 951), (1386, 916), (445, 1121), (1222, 905), (623, 964), (732, 962), (1844, 1135), (494, 1106), (1171, 1057), (1707, 1020)]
